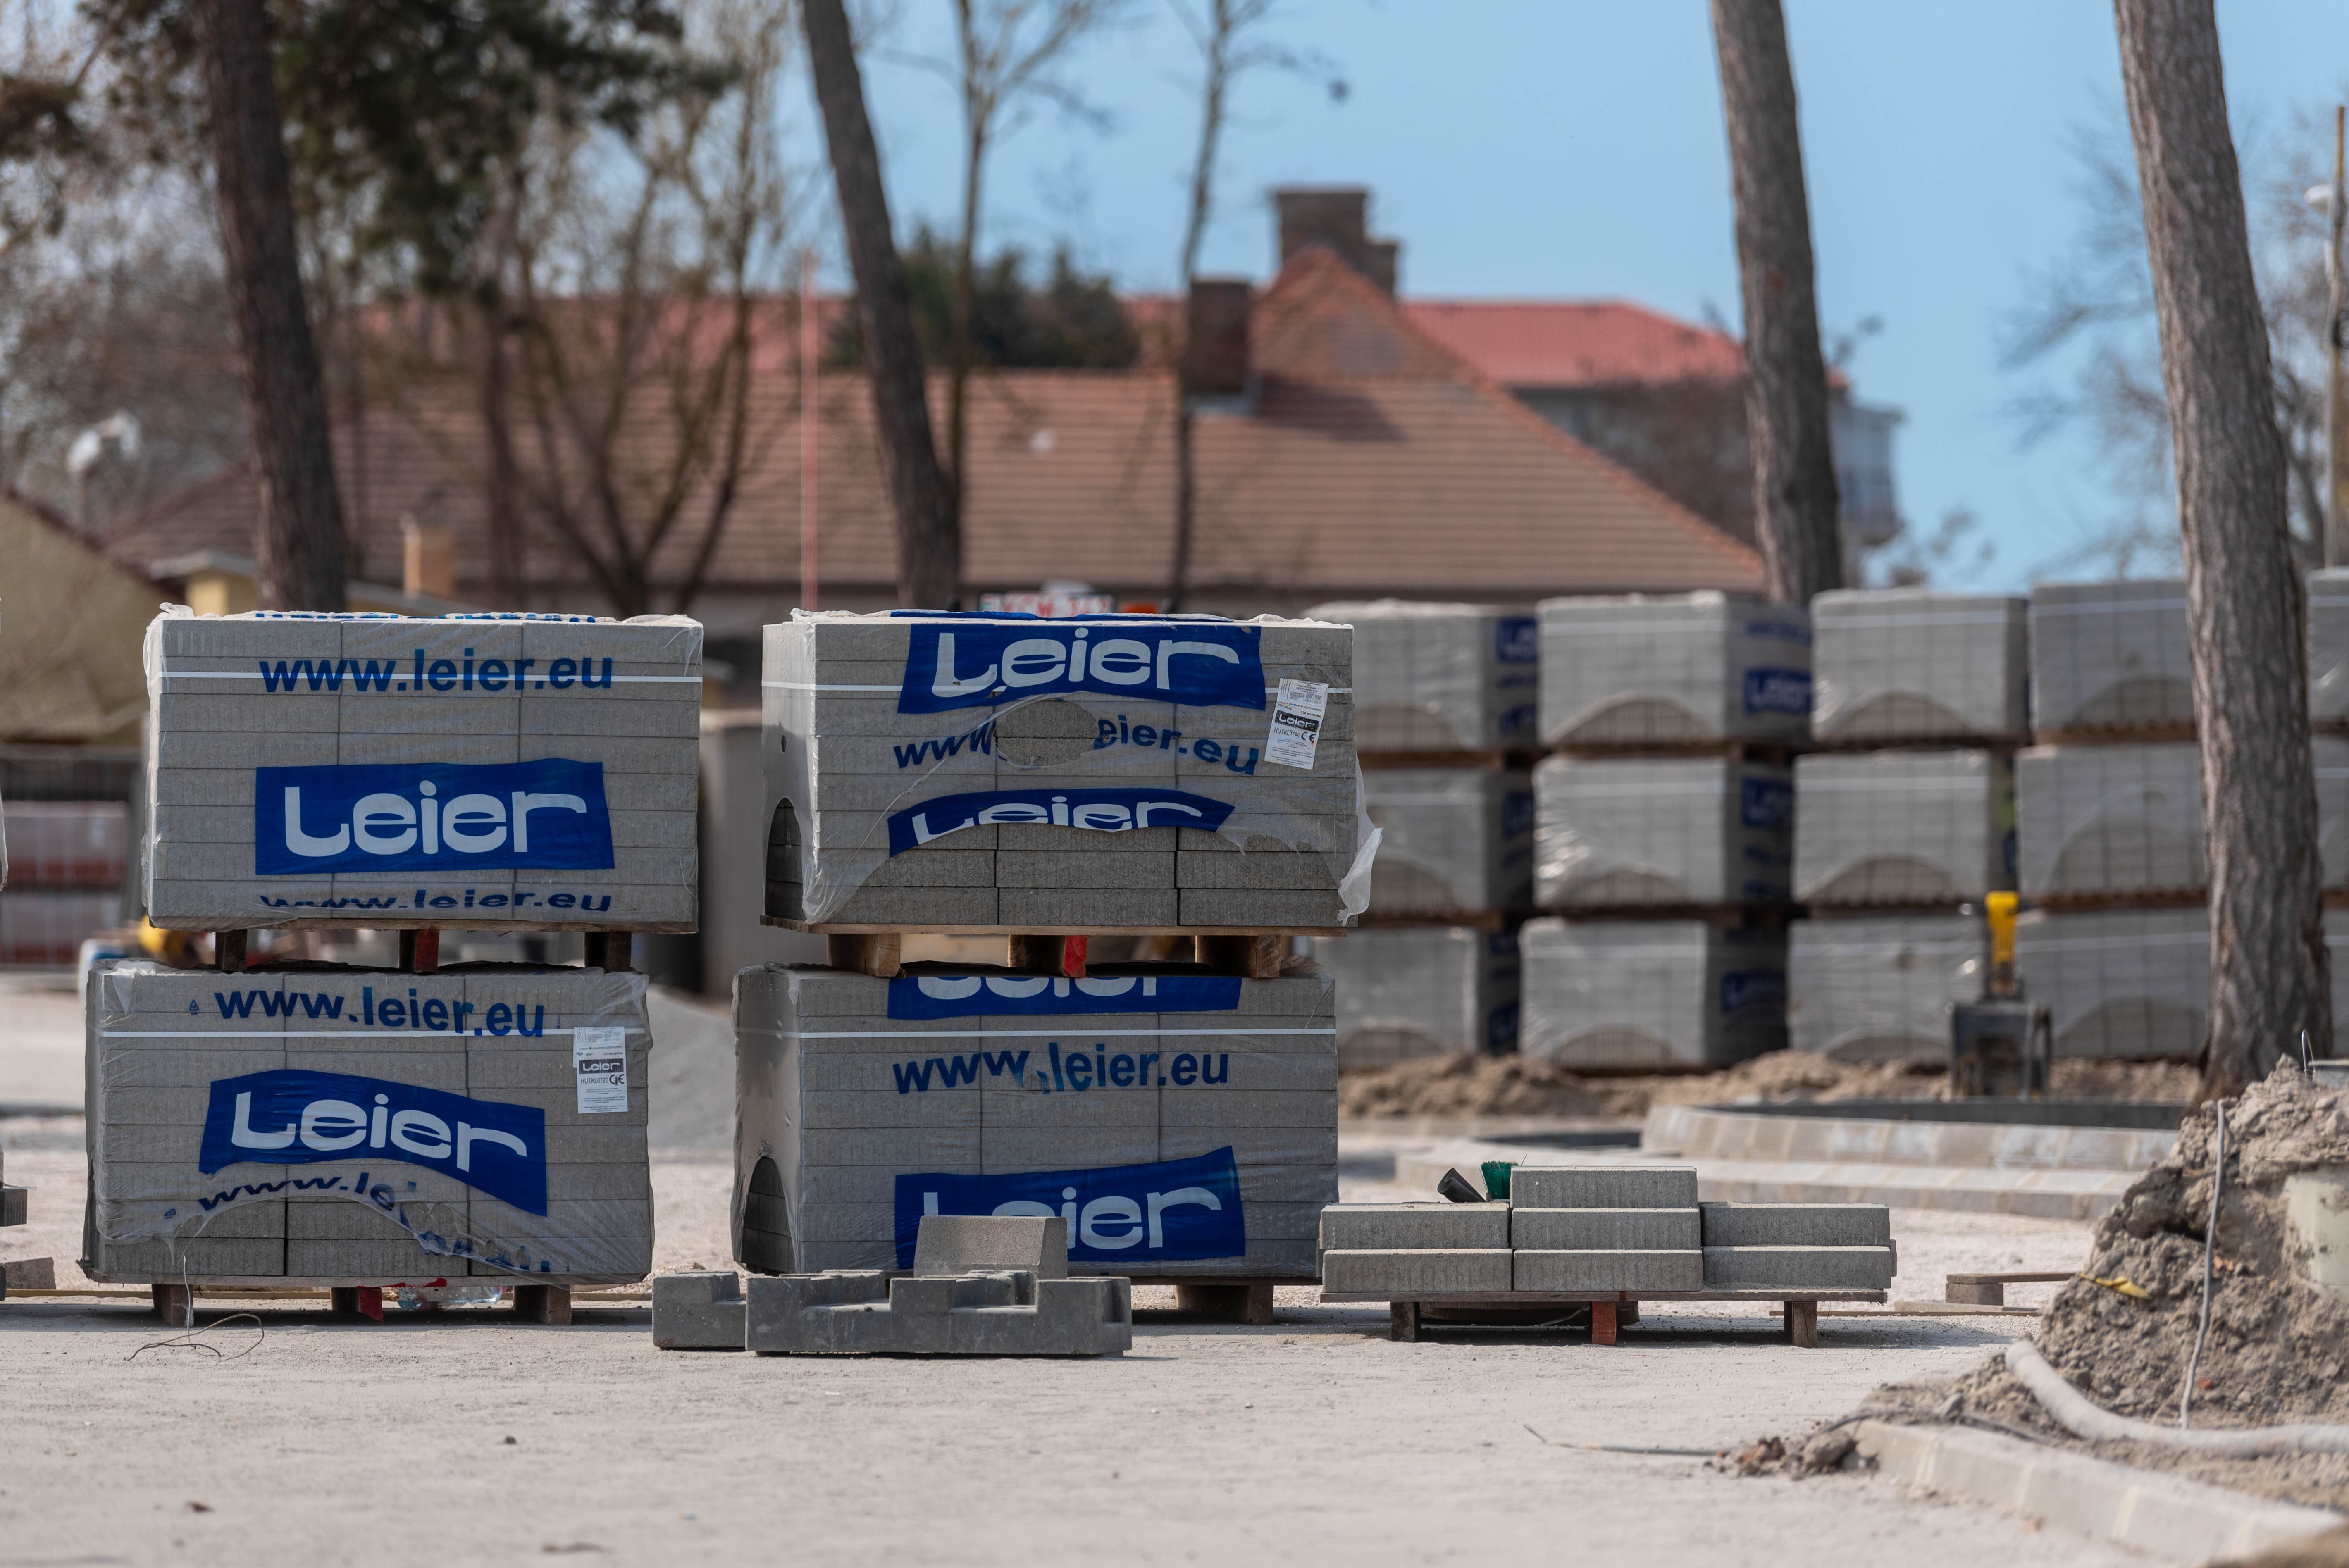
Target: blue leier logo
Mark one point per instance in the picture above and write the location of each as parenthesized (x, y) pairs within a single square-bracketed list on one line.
[(1209, 666), (1102, 811), (1116, 1213), (1764, 989), (1765, 803), (300, 1117), (430, 816), (1516, 640), (965, 996), (1778, 691)]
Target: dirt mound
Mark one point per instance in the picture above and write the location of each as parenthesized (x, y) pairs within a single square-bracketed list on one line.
[(1465, 1085), (2279, 1347)]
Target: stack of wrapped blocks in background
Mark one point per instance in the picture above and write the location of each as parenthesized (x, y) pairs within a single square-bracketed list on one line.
[(1444, 700), (1603, 1230), (1907, 824), (1664, 828), (1087, 774), (372, 1127)]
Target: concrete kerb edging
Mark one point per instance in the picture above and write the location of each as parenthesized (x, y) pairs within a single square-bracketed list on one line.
[(2077, 1195), (2164, 1514)]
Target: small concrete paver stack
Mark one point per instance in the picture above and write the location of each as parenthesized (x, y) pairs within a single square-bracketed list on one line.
[(1608, 1235)]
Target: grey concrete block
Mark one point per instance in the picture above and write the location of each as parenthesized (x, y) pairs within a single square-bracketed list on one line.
[(985, 1243), (1650, 993), (1546, 1269), (1903, 827), (2109, 819), (1416, 991), (1060, 908), (932, 907), (1388, 1227), (1454, 840), (1291, 908), (1417, 1270), (2110, 654), (1797, 1224), (1440, 678), (1637, 668), (1879, 987), (996, 1313), (2122, 982), (1651, 831), (1074, 869), (700, 1312), (1798, 1268), (1601, 1230), (1603, 1187)]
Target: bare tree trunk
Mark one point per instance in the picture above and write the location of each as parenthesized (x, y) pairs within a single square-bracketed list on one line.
[(1214, 84), (1795, 498), (2270, 976), (299, 541), (502, 494), (929, 538)]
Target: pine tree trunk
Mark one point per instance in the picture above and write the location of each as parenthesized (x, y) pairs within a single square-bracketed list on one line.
[(298, 543), (1794, 500), (929, 541), (2270, 976)]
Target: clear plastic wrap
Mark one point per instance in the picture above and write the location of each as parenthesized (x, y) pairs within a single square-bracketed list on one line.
[(462, 770), (1182, 1122), (1879, 988), (2110, 656), (1452, 841), (1422, 990), (1650, 993), (1902, 827), (1091, 772), (2097, 819), (1910, 663), (2328, 646), (1627, 831), (1638, 669), (1441, 677), (368, 1125)]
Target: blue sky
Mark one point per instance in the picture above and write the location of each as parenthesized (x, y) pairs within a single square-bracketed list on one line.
[(1574, 148)]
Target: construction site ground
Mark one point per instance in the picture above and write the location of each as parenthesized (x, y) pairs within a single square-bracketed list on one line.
[(466, 1436)]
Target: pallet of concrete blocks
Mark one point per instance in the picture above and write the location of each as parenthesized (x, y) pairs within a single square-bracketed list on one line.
[(1903, 827), (1096, 773), (366, 1126), (1184, 1123), (1900, 666), (1798, 1246), (1637, 670), (2095, 820), (1416, 1249), (1879, 987), (2110, 656), (1650, 993), (1598, 1228), (1441, 677), (456, 771), (2135, 982), (1421, 991), (980, 1286), (2328, 648), (1617, 832), (1452, 842)]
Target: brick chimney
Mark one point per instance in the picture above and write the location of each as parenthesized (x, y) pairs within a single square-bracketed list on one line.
[(428, 564), (1215, 338), (1337, 216)]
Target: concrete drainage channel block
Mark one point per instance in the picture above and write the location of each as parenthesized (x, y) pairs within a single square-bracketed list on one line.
[(1390, 1227), (1406, 1271), (1616, 1269), (1603, 1187), (863, 1312), (1799, 1268), (698, 1312)]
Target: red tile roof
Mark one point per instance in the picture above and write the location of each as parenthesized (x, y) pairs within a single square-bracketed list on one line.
[(1374, 461), (1568, 345)]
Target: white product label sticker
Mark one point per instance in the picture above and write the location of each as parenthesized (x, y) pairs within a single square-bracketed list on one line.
[(1296, 723), (600, 1058)]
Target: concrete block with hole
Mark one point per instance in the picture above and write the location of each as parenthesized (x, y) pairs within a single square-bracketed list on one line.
[(698, 1311), (1603, 1187), (993, 1312)]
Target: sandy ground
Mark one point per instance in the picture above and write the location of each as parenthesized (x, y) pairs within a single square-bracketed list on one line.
[(1316, 1440), (40, 1038)]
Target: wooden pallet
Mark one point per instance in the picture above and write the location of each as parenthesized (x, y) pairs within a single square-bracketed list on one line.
[(2120, 735), (419, 947), (1506, 760), (1252, 954), (1771, 753), (2134, 898), (1473, 920), (533, 1302), (1405, 1315), (1726, 916), (1236, 1298), (1889, 911), (1954, 741)]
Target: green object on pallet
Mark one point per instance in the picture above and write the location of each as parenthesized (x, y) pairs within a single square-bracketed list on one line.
[(1497, 1179)]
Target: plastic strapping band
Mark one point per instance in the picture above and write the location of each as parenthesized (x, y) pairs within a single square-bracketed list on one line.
[(1028, 1033)]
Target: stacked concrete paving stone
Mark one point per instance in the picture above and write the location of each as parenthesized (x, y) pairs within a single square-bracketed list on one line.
[(1602, 1231), (1445, 713), (427, 1126), (940, 772), (1664, 828), (1905, 827), (2137, 981)]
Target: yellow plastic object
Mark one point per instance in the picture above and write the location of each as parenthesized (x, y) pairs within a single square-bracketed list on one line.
[(2121, 1285), (2000, 912)]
